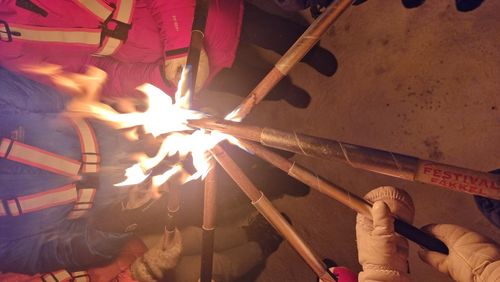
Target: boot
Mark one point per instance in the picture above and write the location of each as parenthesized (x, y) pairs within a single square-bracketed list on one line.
[(322, 60), (412, 3), (467, 5), (289, 92)]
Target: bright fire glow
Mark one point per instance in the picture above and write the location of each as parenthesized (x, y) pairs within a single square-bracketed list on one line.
[(162, 116), (164, 119)]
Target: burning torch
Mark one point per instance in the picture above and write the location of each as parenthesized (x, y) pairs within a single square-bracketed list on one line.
[(378, 161), (178, 117), (193, 59)]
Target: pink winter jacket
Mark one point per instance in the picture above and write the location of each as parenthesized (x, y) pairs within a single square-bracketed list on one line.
[(160, 29)]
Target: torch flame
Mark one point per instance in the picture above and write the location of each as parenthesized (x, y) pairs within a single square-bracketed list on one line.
[(135, 175), (165, 119)]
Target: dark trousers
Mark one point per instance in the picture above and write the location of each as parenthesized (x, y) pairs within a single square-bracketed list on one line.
[(273, 33)]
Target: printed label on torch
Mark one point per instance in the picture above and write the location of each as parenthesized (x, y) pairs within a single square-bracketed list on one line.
[(459, 179)]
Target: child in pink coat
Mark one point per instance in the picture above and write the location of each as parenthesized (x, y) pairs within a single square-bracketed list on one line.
[(133, 41)]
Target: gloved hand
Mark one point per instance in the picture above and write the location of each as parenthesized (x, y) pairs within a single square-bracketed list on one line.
[(173, 69), (383, 253), (156, 261), (472, 256)]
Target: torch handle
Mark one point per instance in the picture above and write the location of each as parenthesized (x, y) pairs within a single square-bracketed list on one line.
[(345, 197), (208, 226), (420, 237), (370, 159)]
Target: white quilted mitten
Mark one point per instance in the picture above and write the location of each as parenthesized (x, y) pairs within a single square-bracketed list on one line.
[(383, 253), (156, 261)]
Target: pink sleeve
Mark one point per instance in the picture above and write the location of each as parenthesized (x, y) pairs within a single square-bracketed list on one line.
[(344, 274), (124, 78), (174, 19), (18, 277), (222, 33)]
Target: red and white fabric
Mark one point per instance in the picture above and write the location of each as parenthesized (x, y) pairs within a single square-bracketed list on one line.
[(35, 157), (111, 18), (72, 35), (118, 270), (66, 276)]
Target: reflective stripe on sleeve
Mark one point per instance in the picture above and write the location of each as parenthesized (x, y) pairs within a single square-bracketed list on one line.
[(86, 195), (42, 200), (4, 147), (84, 202), (84, 36), (124, 9), (123, 13), (66, 276), (104, 43), (109, 46), (96, 7), (80, 276), (89, 145), (49, 278), (36, 157), (54, 197), (57, 276), (13, 208)]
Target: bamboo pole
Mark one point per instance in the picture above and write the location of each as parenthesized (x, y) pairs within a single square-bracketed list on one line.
[(298, 50), (173, 206), (264, 206), (196, 43), (208, 226), (192, 61), (379, 161), (345, 197), (193, 57)]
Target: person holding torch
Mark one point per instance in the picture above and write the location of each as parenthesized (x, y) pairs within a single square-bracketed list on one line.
[(62, 218)]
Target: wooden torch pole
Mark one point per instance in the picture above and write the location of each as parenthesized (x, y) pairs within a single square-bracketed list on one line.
[(298, 50), (192, 61), (195, 46), (173, 206), (209, 208), (265, 207), (383, 162), (343, 196)]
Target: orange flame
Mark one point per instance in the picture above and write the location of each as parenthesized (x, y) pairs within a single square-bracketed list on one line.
[(162, 117)]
